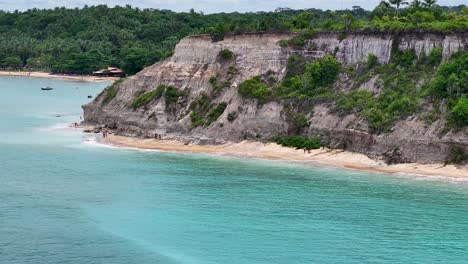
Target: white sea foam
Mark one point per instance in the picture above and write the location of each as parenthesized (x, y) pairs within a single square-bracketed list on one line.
[(438, 178), (59, 127)]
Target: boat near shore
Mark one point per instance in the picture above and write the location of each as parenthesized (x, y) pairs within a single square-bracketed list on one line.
[(48, 88)]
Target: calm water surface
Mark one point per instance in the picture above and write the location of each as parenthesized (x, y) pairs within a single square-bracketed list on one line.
[(64, 199)]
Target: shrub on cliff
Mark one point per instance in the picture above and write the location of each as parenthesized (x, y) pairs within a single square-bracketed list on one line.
[(296, 65), (171, 95), (323, 72), (204, 112), (148, 97), (254, 88), (451, 84), (457, 155), (372, 61), (111, 93), (226, 54), (459, 113), (215, 113)]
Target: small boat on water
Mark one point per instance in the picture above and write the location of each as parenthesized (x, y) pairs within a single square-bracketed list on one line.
[(48, 88), (90, 96)]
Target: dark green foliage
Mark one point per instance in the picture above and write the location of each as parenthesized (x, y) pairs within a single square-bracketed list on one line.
[(148, 97), (254, 88), (299, 142), (219, 87), (296, 65), (201, 104), (135, 59), (284, 43), (87, 39), (451, 80), (232, 116), (298, 41), (435, 56), (226, 54), (451, 84), (322, 73), (457, 155), (196, 119), (213, 80), (399, 97), (300, 121), (314, 83), (11, 62), (204, 112), (372, 61), (171, 95), (215, 113), (354, 102), (404, 58), (459, 113), (111, 93)]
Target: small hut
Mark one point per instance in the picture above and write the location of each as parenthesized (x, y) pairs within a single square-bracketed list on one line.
[(110, 72)]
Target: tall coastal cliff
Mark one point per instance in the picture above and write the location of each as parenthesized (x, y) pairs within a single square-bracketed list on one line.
[(207, 83)]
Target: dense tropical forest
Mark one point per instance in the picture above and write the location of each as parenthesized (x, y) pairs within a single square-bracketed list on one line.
[(83, 40)]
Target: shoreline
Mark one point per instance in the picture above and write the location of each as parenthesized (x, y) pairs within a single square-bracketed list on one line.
[(69, 77), (273, 151)]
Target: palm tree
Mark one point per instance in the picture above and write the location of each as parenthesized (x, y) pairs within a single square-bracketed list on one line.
[(398, 3), (384, 4), (430, 3), (416, 4)]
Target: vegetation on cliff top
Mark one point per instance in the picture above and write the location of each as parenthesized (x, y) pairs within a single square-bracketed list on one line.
[(87, 39)]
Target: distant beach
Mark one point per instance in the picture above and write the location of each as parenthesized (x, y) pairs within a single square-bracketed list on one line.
[(36, 74), (272, 151)]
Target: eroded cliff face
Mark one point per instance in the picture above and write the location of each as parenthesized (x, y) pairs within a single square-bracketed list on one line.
[(197, 59)]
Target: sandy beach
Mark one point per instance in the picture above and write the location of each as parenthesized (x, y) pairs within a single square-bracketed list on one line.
[(84, 78), (272, 151)]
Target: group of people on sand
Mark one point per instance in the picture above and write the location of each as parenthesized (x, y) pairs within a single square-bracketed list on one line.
[(105, 133), (157, 136), (75, 125)]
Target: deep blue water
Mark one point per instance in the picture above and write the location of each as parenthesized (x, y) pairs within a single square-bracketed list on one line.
[(64, 199)]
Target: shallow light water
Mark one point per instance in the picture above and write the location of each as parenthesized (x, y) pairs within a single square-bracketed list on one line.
[(64, 199)]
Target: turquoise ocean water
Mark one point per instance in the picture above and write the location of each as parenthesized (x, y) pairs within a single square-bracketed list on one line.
[(65, 199)]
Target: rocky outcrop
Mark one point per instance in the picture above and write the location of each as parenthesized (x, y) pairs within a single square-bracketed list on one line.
[(197, 60)]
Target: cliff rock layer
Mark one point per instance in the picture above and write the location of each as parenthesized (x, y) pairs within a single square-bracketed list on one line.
[(199, 70)]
